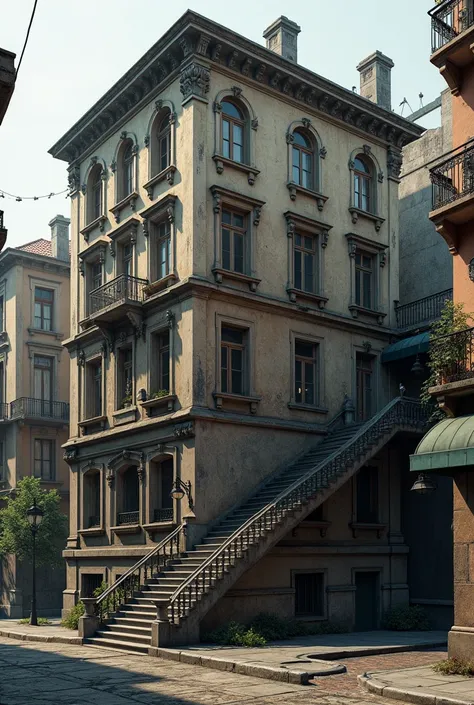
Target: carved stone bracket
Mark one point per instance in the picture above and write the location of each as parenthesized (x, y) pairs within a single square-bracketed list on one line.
[(184, 430), (194, 82), (139, 326), (70, 455), (394, 163)]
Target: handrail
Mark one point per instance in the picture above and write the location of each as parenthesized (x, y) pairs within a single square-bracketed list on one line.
[(124, 587), (273, 512), (422, 310)]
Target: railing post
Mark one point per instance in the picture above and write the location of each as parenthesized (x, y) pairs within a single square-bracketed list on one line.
[(89, 622)]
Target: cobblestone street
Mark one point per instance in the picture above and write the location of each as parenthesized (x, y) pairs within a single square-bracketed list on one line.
[(42, 674)]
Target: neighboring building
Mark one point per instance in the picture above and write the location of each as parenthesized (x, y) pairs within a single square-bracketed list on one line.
[(448, 448), (234, 269), (7, 80), (34, 394)]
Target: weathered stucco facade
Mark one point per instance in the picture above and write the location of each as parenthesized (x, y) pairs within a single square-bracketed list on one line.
[(224, 429)]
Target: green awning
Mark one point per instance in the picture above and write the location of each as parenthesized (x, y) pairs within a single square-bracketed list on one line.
[(408, 347), (449, 444)]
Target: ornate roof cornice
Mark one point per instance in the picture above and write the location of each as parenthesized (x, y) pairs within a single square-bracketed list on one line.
[(12, 257), (194, 37)]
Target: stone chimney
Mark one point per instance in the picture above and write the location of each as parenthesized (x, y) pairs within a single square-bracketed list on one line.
[(60, 237), (282, 38), (375, 79)]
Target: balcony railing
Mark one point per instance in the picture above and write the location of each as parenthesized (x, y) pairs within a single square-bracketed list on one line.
[(448, 20), (423, 310), (26, 407), (127, 518), (163, 515), (454, 177), (457, 352), (122, 289)]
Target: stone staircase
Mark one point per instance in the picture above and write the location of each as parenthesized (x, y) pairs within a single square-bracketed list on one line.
[(187, 584)]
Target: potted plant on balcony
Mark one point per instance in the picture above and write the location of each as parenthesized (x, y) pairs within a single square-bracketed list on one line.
[(159, 394)]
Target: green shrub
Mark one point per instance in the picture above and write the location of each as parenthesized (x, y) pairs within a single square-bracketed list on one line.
[(71, 621), (42, 621), (410, 618), (455, 667)]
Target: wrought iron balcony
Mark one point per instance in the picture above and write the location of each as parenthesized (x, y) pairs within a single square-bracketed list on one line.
[(127, 518), (422, 311), (28, 408), (448, 20), (163, 514), (453, 178), (108, 298), (457, 352)]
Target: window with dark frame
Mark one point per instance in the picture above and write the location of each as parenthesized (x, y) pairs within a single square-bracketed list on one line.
[(309, 594), (364, 384), (233, 360), (44, 458), (94, 194), (233, 130), (163, 249), (125, 376), (233, 240), (94, 388), (90, 583), (163, 349), (127, 256), (43, 384), (44, 299), (367, 491), (164, 141), (127, 170), (164, 510), (95, 275), (302, 160), (305, 262), (305, 369), (92, 499), (364, 279), (362, 184)]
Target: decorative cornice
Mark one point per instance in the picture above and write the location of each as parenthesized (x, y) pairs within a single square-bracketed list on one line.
[(12, 257), (189, 41)]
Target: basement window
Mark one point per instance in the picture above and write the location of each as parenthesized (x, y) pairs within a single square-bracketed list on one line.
[(309, 594)]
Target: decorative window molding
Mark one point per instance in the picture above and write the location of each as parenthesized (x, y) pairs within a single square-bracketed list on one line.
[(301, 179), (250, 208), (160, 509), (234, 135), (158, 217), (365, 186), (125, 234), (161, 143), (319, 380), (156, 401), (116, 467), (124, 166), (92, 270), (297, 224), (94, 189), (55, 287), (377, 251), (92, 416)]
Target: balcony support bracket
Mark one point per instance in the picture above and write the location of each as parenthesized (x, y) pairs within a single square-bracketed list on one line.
[(448, 231), (453, 77)]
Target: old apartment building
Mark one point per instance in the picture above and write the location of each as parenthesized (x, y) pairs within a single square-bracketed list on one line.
[(34, 394), (234, 266)]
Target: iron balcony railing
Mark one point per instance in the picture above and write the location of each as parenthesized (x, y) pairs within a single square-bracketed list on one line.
[(163, 514), (423, 310), (26, 407), (453, 178), (128, 518), (448, 20), (122, 289), (457, 354)]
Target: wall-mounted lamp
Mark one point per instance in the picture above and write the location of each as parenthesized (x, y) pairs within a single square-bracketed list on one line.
[(180, 489), (423, 484)]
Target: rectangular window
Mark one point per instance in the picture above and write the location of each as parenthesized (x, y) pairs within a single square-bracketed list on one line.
[(44, 299), (305, 372), (43, 385), (96, 275), (233, 361), (127, 253), (309, 594), (364, 280), (163, 250), (304, 263), (44, 459), (367, 487), (233, 240), (94, 389), (364, 382), (90, 583), (164, 361), (125, 382)]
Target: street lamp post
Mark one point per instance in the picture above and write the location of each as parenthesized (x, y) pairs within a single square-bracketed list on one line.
[(34, 515)]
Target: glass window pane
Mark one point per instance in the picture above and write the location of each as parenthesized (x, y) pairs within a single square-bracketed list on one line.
[(296, 174), (226, 248), (297, 272), (238, 220), (309, 243), (309, 273), (229, 108), (357, 287), (227, 217), (304, 349), (298, 381), (309, 383), (238, 154), (367, 290), (361, 166), (238, 253), (232, 335), (299, 138), (46, 450), (298, 240), (236, 381), (296, 157), (224, 369), (367, 262)]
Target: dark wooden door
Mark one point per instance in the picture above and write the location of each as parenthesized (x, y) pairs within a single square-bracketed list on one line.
[(366, 601)]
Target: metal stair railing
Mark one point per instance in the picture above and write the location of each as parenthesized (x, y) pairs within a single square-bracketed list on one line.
[(124, 587), (400, 411)]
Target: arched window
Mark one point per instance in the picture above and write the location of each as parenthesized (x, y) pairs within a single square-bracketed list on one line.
[(163, 140), (363, 184), (303, 160), (95, 206), (127, 182), (233, 132)]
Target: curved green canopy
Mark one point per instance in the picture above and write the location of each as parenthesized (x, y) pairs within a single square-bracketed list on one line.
[(449, 444)]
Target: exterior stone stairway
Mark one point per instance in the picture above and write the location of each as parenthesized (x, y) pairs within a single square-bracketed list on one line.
[(187, 584)]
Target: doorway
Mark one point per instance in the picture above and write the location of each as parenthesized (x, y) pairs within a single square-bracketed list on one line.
[(366, 601)]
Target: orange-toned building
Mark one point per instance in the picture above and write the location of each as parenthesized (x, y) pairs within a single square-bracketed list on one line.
[(448, 448)]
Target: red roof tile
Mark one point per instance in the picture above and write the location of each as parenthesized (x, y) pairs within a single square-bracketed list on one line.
[(38, 247)]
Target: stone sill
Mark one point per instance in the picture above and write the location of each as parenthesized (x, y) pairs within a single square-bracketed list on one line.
[(296, 294), (159, 526), (220, 274), (458, 388), (159, 284), (357, 212), (222, 397), (361, 526), (308, 407), (323, 526), (167, 401), (222, 162), (167, 174), (294, 189), (355, 309), (126, 529), (93, 531), (126, 415), (90, 227), (40, 331), (95, 421), (121, 205)]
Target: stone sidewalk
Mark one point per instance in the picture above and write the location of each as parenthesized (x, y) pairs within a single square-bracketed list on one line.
[(420, 685), (50, 633)]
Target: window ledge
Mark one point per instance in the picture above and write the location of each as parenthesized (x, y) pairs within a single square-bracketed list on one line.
[(129, 200), (156, 526), (323, 526), (222, 397), (295, 188), (93, 531), (296, 294), (160, 284), (310, 618), (94, 421), (167, 400), (167, 174), (220, 273), (308, 407), (356, 212), (126, 415), (90, 227), (222, 162), (126, 529), (40, 331), (357, 526), (355, 310)]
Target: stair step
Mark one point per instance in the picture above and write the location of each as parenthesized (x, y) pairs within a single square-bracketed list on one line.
[(124, 628), (137, 616), (140, 647), (129, 622)]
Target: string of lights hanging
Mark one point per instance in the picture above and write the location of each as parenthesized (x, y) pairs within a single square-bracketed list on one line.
[(11, 196)]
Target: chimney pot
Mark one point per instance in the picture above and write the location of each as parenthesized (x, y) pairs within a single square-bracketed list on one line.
[(375, 79), (60, 237), (282, 38)]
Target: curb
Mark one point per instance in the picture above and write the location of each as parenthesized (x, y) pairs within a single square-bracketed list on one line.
[(410, 696), (356, 652), (22, 636)]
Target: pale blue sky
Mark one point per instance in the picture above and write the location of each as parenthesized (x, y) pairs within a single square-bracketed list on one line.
[(77, 50)]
